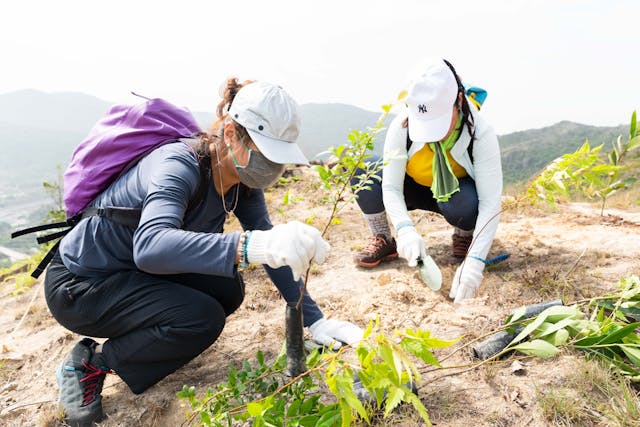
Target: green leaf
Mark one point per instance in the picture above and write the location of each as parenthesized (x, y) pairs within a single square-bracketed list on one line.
[(417, 404), (329, 419), (309, 420), (420, 350), (558, 312), (532, 326), (308, 404), (553, 327), (344, 392), (394, 399), (632, 352), (558, 338), (294, 408), (206, 419), (551, 315), (516, 315), (255, 409), (387, 355), (618, 334), (538, 348), (345, 412)]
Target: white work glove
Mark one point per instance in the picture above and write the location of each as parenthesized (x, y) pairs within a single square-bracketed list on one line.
[(333, 333), (294, 244), (411, 245), (467, 280)]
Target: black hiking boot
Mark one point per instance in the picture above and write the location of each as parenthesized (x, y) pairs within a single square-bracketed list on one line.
[(80, 378)]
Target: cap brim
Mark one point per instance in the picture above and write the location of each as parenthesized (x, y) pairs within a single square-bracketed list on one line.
[(282, 152), (429, 130)]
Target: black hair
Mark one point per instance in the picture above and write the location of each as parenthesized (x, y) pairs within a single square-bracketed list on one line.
[(463, 105)]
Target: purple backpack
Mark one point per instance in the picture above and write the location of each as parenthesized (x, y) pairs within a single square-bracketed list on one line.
[(119, 139)]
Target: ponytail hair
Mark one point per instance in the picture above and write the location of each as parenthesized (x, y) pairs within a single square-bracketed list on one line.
[(228, 91), (463, 104)]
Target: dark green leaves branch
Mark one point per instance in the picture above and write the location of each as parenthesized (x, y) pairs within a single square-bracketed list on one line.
[(608, 333)]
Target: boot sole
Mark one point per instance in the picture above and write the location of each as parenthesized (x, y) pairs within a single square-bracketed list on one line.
[(376, 263), (78, 423)]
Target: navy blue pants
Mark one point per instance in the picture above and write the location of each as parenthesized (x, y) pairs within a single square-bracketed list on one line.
[(154, 323), (461, 210)]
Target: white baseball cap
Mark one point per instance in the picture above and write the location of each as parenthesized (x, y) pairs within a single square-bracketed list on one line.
[(272, 119), (432, 91)]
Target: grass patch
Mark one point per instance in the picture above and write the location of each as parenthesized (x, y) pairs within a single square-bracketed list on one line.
[(595, 396)]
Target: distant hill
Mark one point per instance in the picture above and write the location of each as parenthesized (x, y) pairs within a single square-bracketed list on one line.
[(326, 125), (527, 152), (39, 131)]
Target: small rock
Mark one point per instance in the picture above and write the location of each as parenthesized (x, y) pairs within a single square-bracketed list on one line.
[(518, 368)]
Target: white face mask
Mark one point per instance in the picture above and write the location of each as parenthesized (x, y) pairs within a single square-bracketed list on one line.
[(259, 172)]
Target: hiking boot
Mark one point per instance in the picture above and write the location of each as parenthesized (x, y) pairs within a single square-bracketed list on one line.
[(380, 248), (80, 378), (460, 247)]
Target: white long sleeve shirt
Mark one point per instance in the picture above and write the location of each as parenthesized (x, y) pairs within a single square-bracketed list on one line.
[(486, 171)]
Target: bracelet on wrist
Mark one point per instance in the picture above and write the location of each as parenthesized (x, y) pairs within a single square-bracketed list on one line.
[(244, 259), (239, 250), (403, 225)]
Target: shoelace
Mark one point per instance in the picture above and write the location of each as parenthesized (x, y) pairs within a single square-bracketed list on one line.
[(375, 244), (91, 382)]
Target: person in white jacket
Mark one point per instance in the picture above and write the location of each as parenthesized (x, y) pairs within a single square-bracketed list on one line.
[(440, 155)]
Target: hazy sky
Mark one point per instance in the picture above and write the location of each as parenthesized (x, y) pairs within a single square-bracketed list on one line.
[(540, 61)]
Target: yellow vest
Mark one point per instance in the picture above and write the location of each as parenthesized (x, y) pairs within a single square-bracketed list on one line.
[(420, 166)]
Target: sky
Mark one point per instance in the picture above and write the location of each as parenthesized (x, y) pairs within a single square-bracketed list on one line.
[(540, 61)]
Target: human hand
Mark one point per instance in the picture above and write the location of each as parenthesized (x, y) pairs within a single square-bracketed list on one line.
[(411, 245), (294, 244), (333, 333), (467, 280)]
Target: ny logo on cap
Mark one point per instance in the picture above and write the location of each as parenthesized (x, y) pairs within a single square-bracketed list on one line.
[(422, 108)]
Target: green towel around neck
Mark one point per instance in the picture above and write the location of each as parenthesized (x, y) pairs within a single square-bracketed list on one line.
[(445, 183)]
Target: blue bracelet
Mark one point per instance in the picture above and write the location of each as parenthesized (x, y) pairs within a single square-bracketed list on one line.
[(403, 225), (245, 257)]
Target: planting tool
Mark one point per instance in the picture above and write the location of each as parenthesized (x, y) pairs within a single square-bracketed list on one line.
[(430, 273)]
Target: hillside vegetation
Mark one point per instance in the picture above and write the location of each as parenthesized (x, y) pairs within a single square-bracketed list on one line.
[(525, 153), (38, 132)]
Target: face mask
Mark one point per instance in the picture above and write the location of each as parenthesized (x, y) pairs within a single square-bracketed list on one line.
[(260, 172)]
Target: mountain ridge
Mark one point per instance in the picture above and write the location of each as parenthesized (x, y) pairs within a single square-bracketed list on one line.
[(39, 130)]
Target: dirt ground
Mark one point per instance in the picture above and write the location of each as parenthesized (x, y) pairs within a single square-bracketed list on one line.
[(572, 254)]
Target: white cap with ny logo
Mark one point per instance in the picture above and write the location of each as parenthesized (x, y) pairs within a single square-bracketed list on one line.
[(432, 92)]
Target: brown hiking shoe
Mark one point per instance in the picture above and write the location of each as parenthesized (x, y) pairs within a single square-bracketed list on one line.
[(379, 248), (460, 247)]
